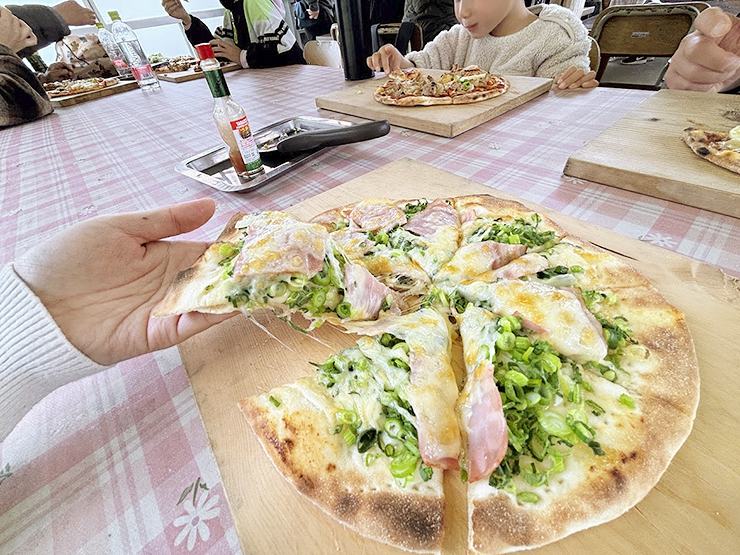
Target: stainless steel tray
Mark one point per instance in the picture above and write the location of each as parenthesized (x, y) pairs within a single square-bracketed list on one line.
[(214, 168)]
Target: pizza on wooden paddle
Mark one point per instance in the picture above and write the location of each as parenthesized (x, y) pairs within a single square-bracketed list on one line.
[(76, 86), (576, 382), (415, 87), (722, 149)]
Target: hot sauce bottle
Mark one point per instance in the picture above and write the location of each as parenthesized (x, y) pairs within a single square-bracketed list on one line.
[(230, 118)]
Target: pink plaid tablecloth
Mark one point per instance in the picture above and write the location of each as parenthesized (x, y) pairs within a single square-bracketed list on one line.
[(119, 462)]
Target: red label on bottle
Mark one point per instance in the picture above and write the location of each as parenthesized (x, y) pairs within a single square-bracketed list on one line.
[(246, 144)]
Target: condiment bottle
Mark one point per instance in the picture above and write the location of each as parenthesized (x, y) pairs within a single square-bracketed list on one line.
[(230, 118)]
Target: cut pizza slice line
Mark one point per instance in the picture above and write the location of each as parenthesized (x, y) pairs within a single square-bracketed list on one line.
[(272, 260), (366, 437)]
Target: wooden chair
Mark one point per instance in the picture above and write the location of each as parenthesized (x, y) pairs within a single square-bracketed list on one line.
[(642, 30), (594, 55), (323, 52), (397, 34)]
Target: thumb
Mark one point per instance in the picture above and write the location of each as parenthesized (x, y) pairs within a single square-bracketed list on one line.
[(166, 222), (713, 23)]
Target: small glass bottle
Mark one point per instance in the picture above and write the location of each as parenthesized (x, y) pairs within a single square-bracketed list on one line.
[(134, 55), (108, 42), (230, 118)]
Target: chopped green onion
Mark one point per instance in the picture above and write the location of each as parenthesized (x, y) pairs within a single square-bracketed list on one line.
[(595, 408), (403, 464), (348, 417), (370, 458), (528, 497), (227, 250), (425, 472), (349, 436), (274, 401), (398, 363), (366, 440), (506, 341), (517, 378), (627, 400), (344, 310), (278, 289)]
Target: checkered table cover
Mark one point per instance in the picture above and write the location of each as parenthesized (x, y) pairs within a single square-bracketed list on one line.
[(119, 462)]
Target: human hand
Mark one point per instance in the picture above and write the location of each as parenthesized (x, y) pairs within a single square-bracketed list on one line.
[(101, 279), (709, 58), (227, 49), (74, 14), (313, 14), (575, 78), (14, 33), (174, 8), (58, 71), (388, 59)]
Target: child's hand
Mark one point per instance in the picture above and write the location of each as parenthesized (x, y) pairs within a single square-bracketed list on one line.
[(387, 58), (574, 78)]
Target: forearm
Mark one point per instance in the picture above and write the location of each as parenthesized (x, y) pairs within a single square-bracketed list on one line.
[(46, 24), (35, 356), (22, 98), (198, 32)]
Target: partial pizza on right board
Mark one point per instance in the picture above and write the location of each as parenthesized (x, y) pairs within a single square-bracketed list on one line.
[(545, 373), (720, 148)]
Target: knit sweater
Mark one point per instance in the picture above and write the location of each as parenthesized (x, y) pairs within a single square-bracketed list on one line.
[(35, 356), (544, 48)]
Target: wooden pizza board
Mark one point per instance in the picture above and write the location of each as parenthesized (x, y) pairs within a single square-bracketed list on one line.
[(644, 152), (693, 509), (73, 99), (446, 120), (189, 75)]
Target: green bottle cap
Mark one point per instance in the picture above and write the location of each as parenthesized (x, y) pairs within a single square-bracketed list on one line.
[(114, 16), (98, 25)]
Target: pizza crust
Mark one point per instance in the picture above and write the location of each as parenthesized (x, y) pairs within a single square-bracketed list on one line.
[(708, 145), (319, 464)]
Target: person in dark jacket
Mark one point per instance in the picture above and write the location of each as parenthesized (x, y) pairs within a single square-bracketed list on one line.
[(433, 16), (22, 97), (254, 33), (314, 17)]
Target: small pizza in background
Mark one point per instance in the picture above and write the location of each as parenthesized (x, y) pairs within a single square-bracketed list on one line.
[(415, 87), (722, 149), (77, 86), (176, 65)]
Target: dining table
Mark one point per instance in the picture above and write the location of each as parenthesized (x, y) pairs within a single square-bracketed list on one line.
[(119, 462)]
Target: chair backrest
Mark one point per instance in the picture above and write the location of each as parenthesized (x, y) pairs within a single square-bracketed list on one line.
[(397, 33), (323, 53), (643, 30), (594, 55)]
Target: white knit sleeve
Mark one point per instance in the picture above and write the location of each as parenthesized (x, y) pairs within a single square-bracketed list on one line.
[(448, 48), (565, 44), (35, 356)]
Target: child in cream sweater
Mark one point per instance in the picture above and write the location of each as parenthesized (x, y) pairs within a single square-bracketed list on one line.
[(503, 36)]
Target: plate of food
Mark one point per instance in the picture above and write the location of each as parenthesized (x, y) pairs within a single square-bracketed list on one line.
[(487, 376), (445, 103), (185, 68), (74, 91)]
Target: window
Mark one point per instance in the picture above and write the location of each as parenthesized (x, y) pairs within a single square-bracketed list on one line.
[(157, 31)]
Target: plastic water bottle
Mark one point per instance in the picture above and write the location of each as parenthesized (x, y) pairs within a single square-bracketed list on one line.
[(133, 53), (108, 42)]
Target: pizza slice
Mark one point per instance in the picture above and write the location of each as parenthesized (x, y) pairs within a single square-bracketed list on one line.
[(402, 243), (366, 437), (495, 232), (562, 448), (272, 260), (722, 149)]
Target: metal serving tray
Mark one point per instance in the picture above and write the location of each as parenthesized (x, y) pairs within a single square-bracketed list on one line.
[(214, 168)]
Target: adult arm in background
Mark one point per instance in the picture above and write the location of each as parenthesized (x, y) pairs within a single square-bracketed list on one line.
[(46, 23), (83, 299), (22, 98), (707, 59)]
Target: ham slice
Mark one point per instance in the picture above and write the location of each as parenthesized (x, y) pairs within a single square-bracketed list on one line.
[(377, 215), (481, 413), (476, 258), (363, 292), (436, 215), (277, 243)]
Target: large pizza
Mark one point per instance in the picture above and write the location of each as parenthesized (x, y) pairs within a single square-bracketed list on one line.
[(575, 384), (418, 87)]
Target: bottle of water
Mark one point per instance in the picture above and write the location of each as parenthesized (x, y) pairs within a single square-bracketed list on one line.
[(108, 42), (133, 53)]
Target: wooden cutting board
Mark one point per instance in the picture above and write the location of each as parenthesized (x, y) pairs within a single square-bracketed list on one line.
[(644, 152), (189, 75), (71, 100), (693, 509), (447, 121)]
